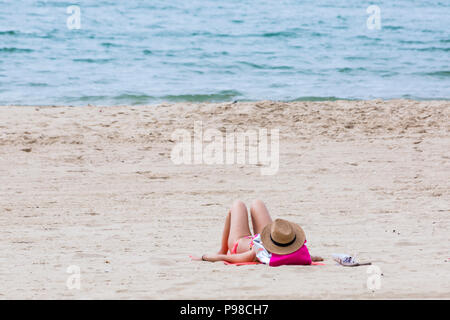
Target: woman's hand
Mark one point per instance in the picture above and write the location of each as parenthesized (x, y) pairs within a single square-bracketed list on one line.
[(209, 257), (194, 258)]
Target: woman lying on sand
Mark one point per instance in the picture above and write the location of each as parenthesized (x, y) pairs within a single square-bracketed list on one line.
[(275, 243)]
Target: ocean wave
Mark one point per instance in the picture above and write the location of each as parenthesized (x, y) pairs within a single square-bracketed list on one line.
[(132, 99), (350, 70), (37, 84), (110, 45), (42, 35), (142, 99), (395, 28), (313, 98), (441, 74), (16, 50), (9, 33), (221, 96), (91, 60), (123, 99), (283, 34), (432, 49), (265, 66)]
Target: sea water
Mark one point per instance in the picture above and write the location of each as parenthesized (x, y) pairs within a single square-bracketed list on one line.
[(145, 52)]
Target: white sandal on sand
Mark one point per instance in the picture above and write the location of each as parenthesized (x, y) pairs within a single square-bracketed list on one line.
[(347, 260)]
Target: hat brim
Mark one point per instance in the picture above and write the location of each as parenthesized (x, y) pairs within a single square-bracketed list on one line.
[(273, 248)]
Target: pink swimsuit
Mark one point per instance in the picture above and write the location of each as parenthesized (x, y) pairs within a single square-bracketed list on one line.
[(234, 249)]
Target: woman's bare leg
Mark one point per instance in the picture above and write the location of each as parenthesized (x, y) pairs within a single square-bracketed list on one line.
[(260, 216), (225, 235), (238, 223)]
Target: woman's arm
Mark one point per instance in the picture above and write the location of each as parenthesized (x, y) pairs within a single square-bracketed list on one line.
[(247, 256)]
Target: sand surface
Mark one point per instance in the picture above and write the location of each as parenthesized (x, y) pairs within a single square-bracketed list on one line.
[(95, 187)]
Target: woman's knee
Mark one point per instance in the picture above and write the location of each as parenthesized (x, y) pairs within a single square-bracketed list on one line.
[(257, 204), (238, 204)]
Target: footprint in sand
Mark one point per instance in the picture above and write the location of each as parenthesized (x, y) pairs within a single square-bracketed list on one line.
[(404, 243), (163, 262)]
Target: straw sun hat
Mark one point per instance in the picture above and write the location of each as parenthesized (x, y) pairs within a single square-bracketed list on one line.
[(282, 237)]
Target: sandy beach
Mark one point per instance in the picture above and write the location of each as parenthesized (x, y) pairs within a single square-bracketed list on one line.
[(96, 188)]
